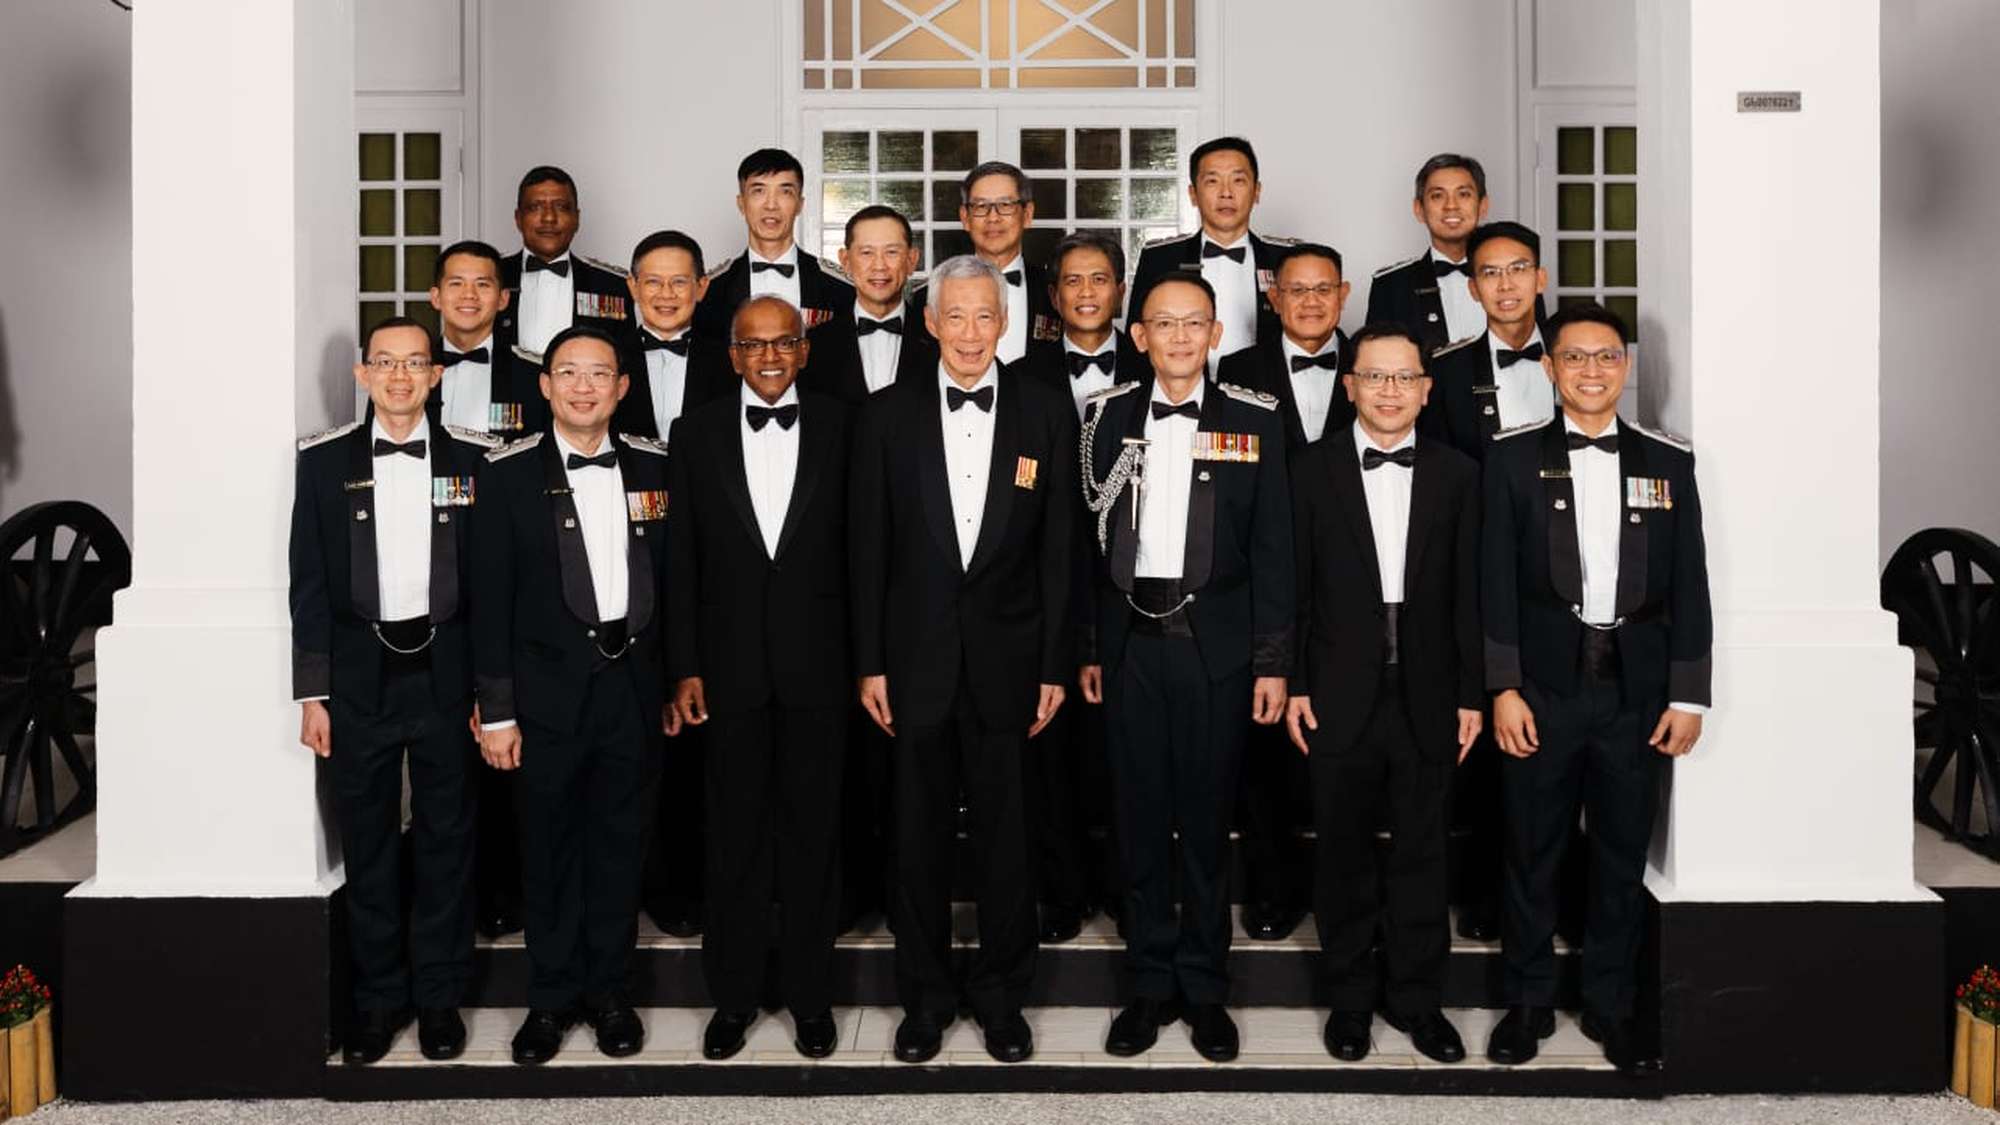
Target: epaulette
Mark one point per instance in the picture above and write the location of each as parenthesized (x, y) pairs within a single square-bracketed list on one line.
[(1110, 392), (1169, 239), (1263, 399), (1456, 344), (522, 353), (475, 437), (831, 268), (722, 269), (1675, 440), (1516, 431), (515, 446), (645, 444), (324, 436), (1398, 265), (1280, 240), (607, 267)]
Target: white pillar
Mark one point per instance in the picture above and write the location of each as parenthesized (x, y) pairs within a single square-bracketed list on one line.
[(243, 276), (1761, 285)]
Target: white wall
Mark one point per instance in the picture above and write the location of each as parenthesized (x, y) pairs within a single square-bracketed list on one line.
[(65, 294)]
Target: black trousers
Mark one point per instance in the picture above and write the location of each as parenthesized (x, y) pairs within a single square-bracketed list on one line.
[(1175, 740), (497, 863), (1383, 778), (1069, 794), (1593, 756), (934, 767), (1273, 801), (675, 867), (1479, 808), (868, 820), (585, 797), (773, 828), (425, 959)]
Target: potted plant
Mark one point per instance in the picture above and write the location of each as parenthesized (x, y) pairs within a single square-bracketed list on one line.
[(1974, 1043), (30, 1040)]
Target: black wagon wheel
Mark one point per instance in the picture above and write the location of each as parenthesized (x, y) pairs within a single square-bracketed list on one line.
[(63, 560), (1940, 585)]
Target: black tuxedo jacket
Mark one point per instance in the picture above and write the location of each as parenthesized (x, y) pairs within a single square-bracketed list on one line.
[(753, 627), (334, 576), (919, 615), (1341, 623), (1264, 368), (1464, 410), (1051, 367), (602, 298), (1239, 559), (1044, 323), (823, 296), (1532, 581), (1407, 294), (709, 377), (1161, 258), (835, 364), (535, 635), (518, 406)]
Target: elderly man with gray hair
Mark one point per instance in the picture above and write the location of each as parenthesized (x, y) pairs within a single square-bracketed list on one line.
[(963, 496)]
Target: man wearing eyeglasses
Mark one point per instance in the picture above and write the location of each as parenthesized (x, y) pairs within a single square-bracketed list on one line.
[(1386, 692), (1597, 631), (673, 369), (551, 287), (381, 566), (1191, 629), (770, 186), (1493, 380), (571, 685), (996, 208), (962, 513)]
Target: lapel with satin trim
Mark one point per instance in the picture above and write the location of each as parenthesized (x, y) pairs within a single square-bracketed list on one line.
[(1559, 509), (639, 592), (445, 523), (815, 448), (932, 472), (736, 476), (1352, 497), (364, 577), (1485, 393), (1003, 460), (1424, 499), (572, 558), (1632, 462), (1198, 557)]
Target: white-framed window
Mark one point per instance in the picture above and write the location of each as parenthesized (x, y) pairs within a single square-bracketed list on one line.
[(1587, 205), (912, 160), (998, 44), (409, 205)]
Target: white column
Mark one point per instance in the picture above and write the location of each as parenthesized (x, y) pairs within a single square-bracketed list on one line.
[(1760, 251), (243, 296)]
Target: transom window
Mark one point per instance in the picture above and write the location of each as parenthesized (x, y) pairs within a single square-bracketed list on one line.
[(998, 44)]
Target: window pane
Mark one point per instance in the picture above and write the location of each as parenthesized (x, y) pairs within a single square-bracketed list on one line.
[(378, 213), (954, 151), (841, 198), (422, 159), (422, 313), (1621, 150), (1575, 207), (378, 269), (1038, 245), (1154, 150), (945, 198), (419, 266), (844, 152), (372, 314), (1621, 206), (1621, 262), (900, 152), (1575, 151), (906, 196), (832, 240), (1051, 200), (1044, 148), (421, 208), (1100, 199), (1578, 263), (1574, 300), (1155, 199), (949, 244), (1099, 148), (378, 156), (1627, 309)]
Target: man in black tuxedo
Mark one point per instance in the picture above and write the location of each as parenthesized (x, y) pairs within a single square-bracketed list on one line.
[(1493, 380), (1431, 294), (673, 369), (770, 183), (962, 506), (551, 287), (1192, 624), (486, 384), (1597, 635), (757, 644), (1224, 185), (571, 687), (379, 590), (996, 208), (1387, 530), (879, 340)]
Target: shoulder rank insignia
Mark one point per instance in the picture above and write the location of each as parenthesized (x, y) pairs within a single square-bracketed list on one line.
[(1673, 439), (607, 267), (324, 436), (645, 444), (725, 267), (518, 445), (1456, 344), (1393, 267), (476, 437), (1168, 239), (1111, 392), (1515, 431), (829, 267), (524, 354), (1263, 399), (1278, 240)]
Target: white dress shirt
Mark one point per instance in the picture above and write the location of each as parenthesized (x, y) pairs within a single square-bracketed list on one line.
[(666, 375), (770, 464), (880, 351), (1163, 505), (548, 303), (1387, 487), (403, 525), (1463, 315), (468, 391), (1235, 294), (968, 457), (1313, 388), (1525, 396), (1014, 344), (601, 517), (1094, 379), (773, 283)]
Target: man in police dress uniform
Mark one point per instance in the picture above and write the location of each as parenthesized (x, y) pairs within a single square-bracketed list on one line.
[(380, 577), (1192, 627), (571, 686), (1597, 623), (553, 288), (1431, 294), (1493, 380), (996, 208), (770, 183)]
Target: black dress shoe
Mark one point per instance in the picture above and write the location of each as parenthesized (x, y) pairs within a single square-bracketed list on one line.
[(725, 1033), (440, 1033), (1621, 1046), (1347, 1035), (676, 917), (1137, 1028), (1518, 1036), (497, 920), (919, 1037), (815, 1036), (1271, 921), (619, 1031), (1214, 1033), (1060, 924), (541, 1035), (1008, 1038), (1433, 1035), (1479, 923), (370, 1035)]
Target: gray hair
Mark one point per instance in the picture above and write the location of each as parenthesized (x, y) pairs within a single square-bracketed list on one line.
[(964, 268)]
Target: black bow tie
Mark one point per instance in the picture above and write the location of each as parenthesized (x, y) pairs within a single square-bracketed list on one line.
[(605, 460), (1328, 360), (1606, 442), (1505, 358), (1080, 363), (384, 447), (651, 343), (476, 355), (863, 326), (1188, 409), (784, 268), (1211, 250), (757, 416), (560, 269), (1375, 458), (981, 398), (1440, 267)]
